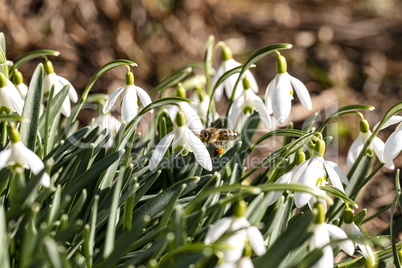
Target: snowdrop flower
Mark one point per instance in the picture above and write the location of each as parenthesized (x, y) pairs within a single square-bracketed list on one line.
[(351, 229), (227, 64), (19, 84), (279, 93), (235, 232), (315, 174), (377, 145), (110, 123), (393, 145), (244, 262), (10, 99), (129, 103), (322, 234), (200, 105), (247, 103), (182, 137), (291, 176), (17, 155), (52, 79), (192, 118)]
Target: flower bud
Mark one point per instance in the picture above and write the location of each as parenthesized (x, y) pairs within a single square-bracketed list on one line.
[(281, 65), (348, 216), (180, 119), (18, 78), (240, 209), (48, 67), (129, 78), (226, 53)]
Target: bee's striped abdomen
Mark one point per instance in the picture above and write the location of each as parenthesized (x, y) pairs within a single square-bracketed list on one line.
[(228, 134)]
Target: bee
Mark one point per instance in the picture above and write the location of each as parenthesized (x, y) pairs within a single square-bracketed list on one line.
[(216, 136)]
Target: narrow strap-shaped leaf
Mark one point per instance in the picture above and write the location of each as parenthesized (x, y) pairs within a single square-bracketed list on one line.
[(33, 100), (4, 239), (32, 55), (397, 261), (55, 206), (338, 193), (170, 207)]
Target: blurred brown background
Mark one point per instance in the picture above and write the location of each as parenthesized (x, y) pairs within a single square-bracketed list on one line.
[(346, 50)]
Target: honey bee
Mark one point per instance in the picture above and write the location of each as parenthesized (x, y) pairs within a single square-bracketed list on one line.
[(216, 136)]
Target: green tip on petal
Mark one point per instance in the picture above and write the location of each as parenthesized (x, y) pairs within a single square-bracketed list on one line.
[(17, 78), (226, 53), (319, 148), (48, 67), (129, 78), (300, 157), (348, 216), (247, 109), (281, 65), (180, 119), (364, 126), (3, 80), (240, 209), (320, 213), (13, 133), (180, 91)]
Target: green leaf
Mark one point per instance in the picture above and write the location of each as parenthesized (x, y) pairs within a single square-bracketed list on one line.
[(397, 261), (338, 193), (4, 239), (104, 69), (32, 55), (172, 80), (285, 243), (280, 221), (29, 127)]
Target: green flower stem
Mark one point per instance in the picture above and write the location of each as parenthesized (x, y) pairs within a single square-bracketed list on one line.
[(129, 147), (47, 121), (254, 58), (33, 55)]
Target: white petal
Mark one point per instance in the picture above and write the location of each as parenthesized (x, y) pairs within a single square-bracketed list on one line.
[(129, 106), (219, 90), (285, 178), (236, 246), (393, 120), (144, 97), (245, 262), (34, 162), (378, 146), (234, 112), (22, 89), (333, 175), (200, 151), (268, 95), (66, 107), (45, 180), (256, 240), (339, 234), (298, 171), (262, 111), (393, 145), (112, 99), (339, 171), (367, 252), (309, 177), (320, 237), (231, 80), (4, 157), (301, 92), (282, 98), (160, 150), (327, 259), (72, 93), (15, 98), (193, 121), (354, 151), (217, 230)]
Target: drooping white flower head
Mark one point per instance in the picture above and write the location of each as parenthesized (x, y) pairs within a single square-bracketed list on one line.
[(182, 137), (322, 234), (393, 145), (235, 232), (52, 79), (193, 120), (377, 145), (129, 103), (247, 102), (315, 174), (19, 84), (279, 93), (227, 64), (18, 154), (10, 99), (110, 123), (351, 229)]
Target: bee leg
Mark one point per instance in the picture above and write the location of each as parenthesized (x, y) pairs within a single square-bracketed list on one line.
[(218, 149)]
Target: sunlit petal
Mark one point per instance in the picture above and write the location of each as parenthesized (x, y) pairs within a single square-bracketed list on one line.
[(262, 111), (144, 97), (4, 157), (160, 150), (301, 92), (129, 108), (333, 175), (217, 230), (354, 151), (268, 95), (393, 120), (338, 234), (256, 240), (378, 146), (112, 99), (393, 145), (339, 172), (282, 98), (234, 112), (72, 93), (200, 151)]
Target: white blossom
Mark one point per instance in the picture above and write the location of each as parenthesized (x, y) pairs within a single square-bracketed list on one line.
[(10, 99)]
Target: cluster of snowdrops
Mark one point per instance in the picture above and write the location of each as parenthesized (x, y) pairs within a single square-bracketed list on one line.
[(108, 195)]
